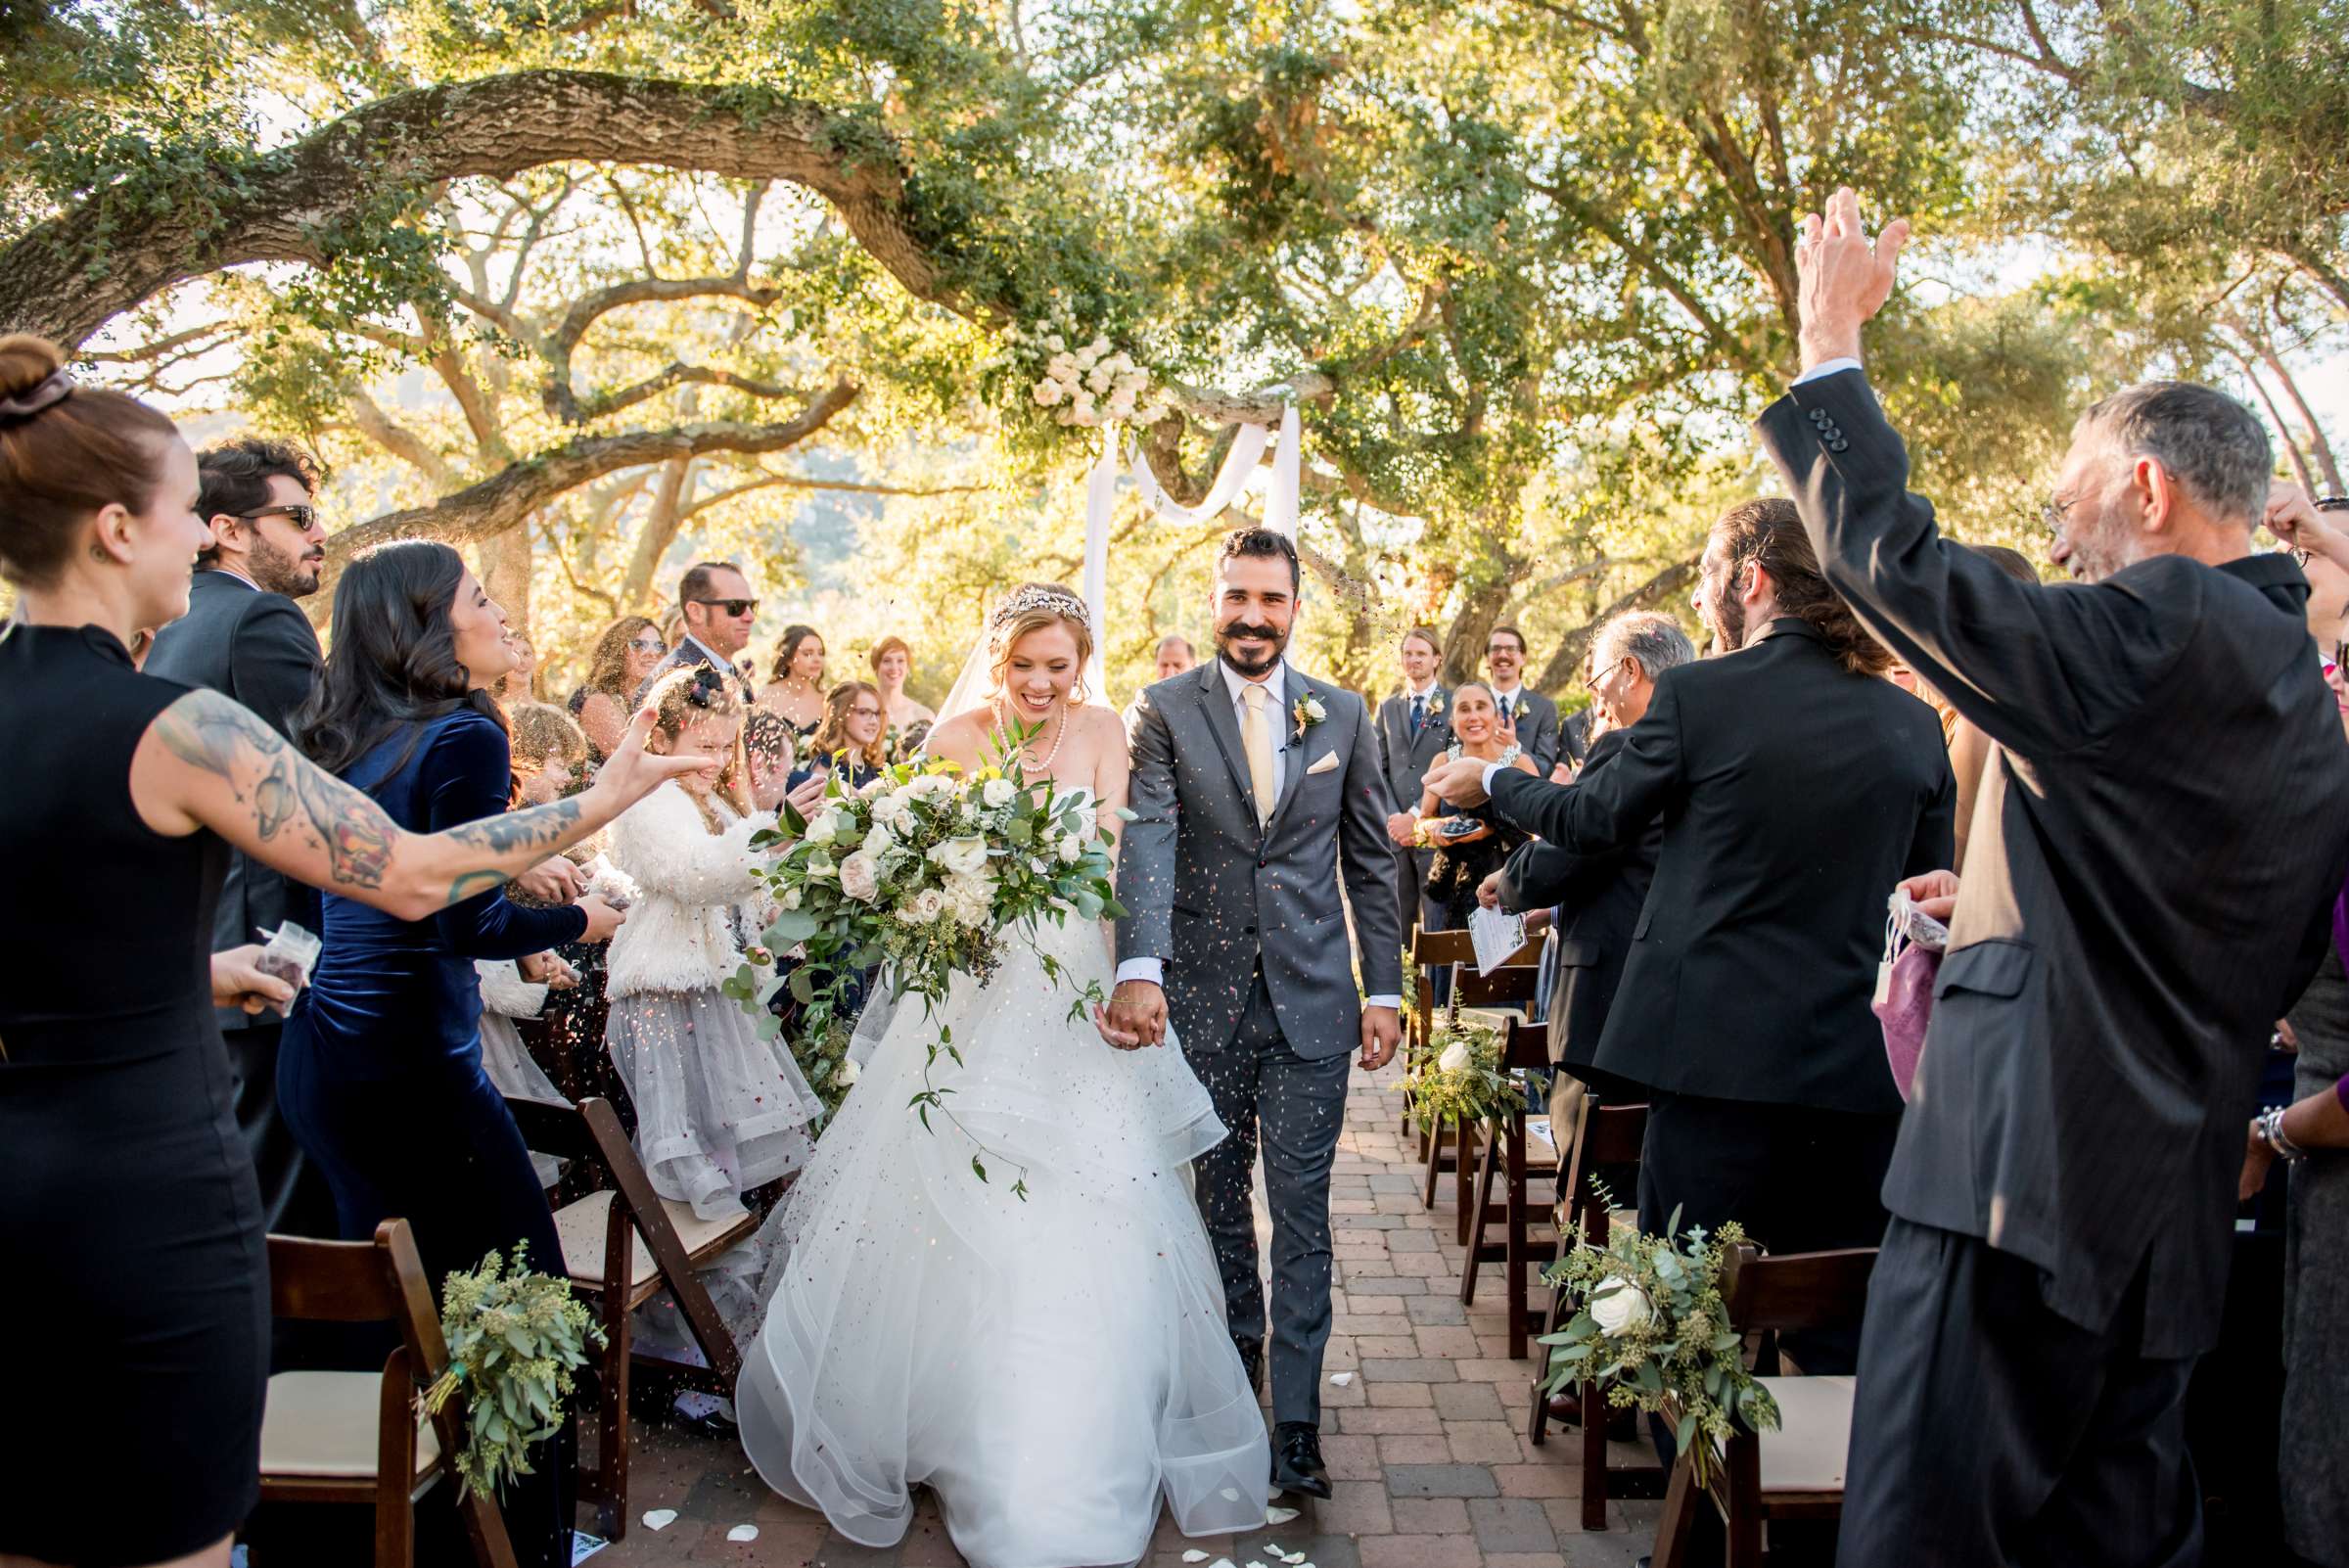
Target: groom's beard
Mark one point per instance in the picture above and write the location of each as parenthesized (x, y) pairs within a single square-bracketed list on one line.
[(1227, 635)]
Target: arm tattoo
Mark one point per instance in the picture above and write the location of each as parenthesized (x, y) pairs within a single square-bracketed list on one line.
[(205, 729), (471, 883), (519, 830), (273, 800), (356, 833)]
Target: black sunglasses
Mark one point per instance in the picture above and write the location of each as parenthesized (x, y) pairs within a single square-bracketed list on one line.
[(304, 518), (732, 606)]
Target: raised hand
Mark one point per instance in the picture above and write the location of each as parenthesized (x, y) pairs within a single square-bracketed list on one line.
[(1843, 277), (2297, 524), (632, 772), (1461, 783)]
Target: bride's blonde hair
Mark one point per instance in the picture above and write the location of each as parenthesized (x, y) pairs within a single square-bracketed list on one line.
[(1030, 607)]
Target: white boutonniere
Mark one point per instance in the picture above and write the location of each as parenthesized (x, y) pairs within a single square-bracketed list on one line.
[(1435, 702), (1308, 713)]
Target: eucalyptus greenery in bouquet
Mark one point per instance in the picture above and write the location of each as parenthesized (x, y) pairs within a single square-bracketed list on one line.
[(514, 1339), (1457, 1077), (1652, 1326), (923, 874)]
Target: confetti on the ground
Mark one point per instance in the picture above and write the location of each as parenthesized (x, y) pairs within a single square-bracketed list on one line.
[(1194, 1555), (660, 1518), (1341, 1379), (743, 1533), (1279, 1516)]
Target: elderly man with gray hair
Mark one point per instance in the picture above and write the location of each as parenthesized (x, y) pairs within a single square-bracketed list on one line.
[(2163, 829)]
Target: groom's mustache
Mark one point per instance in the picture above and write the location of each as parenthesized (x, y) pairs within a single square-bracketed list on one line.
[(1239, 629)]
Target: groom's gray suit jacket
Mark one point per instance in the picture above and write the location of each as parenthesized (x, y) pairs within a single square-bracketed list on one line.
[(1211, 894)]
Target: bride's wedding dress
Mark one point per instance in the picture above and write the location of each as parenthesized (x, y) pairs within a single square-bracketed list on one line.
[(1050, 1368)]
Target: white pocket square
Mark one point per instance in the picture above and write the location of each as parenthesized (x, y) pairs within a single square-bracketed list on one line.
[(1329, 761)]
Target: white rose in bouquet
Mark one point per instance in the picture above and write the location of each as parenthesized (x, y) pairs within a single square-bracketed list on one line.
[(860, 877), (819, 828), (1456, 1056), (880, 841), (964, 856), (933, 784), (970, 900), (997, 793), (791, 898), (1618, 1307), (923, 907), (1072, 848)]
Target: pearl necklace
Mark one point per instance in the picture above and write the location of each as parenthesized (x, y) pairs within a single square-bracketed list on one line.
[(1029, 764)]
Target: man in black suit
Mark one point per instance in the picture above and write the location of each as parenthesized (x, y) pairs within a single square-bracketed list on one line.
[(1531, 716), (1594, 899), (1413, 727), (2163, 826), (720, 611), (245, 635), (1797, 786)]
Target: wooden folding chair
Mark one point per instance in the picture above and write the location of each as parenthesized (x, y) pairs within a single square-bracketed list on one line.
[(1508, 989), (355, 1437), (621, 1243), (1512, 1160), (1591, 1134), (1797, 1471)]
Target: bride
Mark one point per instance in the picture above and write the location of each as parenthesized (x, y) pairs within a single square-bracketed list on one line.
[(1048, 1367)]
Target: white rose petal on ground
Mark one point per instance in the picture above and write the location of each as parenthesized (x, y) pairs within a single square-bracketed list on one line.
[(1194, 1555), (1341, 1379), (1279, 1516), (660, 1518), (743, 1533)]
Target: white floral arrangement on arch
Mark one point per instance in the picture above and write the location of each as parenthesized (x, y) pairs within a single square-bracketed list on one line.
[(923, 874), (1091, 382)]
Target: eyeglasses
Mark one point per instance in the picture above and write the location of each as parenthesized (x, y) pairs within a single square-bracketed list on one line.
[(305, 518), (732, 606), (864, 713), (2053, 510), (649, 645)]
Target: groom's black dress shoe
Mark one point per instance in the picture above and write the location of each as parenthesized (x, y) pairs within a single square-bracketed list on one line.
[(1296, 1460)]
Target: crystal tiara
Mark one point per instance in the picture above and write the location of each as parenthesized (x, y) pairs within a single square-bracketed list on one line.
[(1024, 600)]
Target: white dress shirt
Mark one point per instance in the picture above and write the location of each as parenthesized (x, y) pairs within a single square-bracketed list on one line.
[(1280, 726), (1825, 367), (1513, 697), (231, 571)]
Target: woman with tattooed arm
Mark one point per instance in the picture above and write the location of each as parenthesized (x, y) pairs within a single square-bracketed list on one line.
[(128, 1210)]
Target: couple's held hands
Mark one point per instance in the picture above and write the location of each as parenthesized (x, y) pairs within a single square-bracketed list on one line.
[(239, 981), (1934, 894), (1136, 1016), (1842, 277), (1404, 828), (1382, 1031)]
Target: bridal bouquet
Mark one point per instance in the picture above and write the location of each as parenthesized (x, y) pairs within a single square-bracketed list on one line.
[(923, 874)]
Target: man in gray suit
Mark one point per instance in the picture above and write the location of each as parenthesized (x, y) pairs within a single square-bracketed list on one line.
[(1256, 793), (1413, 729), (1533, 717), (2158, 838)]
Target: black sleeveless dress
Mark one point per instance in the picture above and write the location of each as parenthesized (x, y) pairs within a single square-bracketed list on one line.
[(136, 1305)]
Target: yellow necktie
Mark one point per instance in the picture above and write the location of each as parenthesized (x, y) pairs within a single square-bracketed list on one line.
[(1257, 737)]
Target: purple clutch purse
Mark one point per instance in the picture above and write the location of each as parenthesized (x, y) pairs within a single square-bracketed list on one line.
[(1903, 1002)]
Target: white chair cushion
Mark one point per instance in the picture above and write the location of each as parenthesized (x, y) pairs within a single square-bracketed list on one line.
[(582, 1227), (324, 1424), (1808, 1451)]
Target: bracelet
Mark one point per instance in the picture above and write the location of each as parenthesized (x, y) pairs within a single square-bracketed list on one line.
[(2271, 1129)]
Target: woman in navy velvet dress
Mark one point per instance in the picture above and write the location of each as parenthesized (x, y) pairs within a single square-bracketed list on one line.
[(380, 1074), (130, 1220)]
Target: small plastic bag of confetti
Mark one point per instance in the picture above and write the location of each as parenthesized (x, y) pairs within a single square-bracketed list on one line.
[(290, 954)]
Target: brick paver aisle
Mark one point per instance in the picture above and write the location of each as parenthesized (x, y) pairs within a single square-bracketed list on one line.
[(1425, 1443)]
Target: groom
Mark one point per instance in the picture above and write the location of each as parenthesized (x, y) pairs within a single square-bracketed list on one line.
[(1254, 788)]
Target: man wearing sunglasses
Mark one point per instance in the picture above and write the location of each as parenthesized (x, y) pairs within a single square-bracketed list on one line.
[(245, 635), (719, 612)]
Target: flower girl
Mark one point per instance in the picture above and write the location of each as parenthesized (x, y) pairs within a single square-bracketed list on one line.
[(718, 1111)]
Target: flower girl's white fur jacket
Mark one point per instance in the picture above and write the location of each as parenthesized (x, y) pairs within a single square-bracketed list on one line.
[(678, 935)]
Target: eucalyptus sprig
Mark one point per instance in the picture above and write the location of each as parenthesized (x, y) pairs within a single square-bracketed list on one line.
[(514, 1339)]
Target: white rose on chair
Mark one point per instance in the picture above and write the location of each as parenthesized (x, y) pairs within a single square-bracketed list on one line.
[(861, 876), (966, 856), (1618, 1307), (1456, 1058)]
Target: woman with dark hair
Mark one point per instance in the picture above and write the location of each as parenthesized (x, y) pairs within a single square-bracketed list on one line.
[(795, 691), (849, 740), (125, 1191), (388, 1041), (626, 653)]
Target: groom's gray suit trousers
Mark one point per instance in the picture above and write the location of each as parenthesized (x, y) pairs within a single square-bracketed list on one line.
[(1265, 1092)]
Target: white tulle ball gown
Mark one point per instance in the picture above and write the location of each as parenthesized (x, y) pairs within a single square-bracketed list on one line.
[(1051, 1368)]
